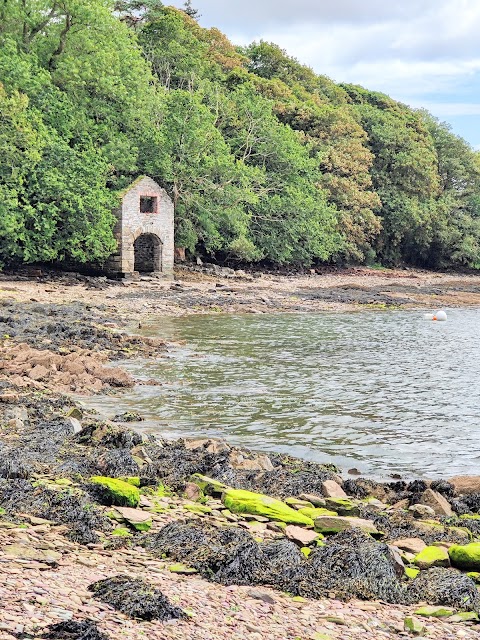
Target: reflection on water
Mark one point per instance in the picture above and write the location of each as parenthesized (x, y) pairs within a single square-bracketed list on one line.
[(384, 392)]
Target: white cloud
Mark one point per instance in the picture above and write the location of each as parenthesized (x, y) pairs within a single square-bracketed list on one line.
[(407, 48), (450, 109)]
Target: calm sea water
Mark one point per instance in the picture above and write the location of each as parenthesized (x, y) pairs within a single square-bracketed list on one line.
[(386, 392)]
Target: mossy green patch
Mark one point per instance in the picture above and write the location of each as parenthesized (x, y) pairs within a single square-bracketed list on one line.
[(465, 556), (241, 501), (146, 525), (133, 480), (411, 573), (432, 557), (306, 551), (120, 493), (208, 485), (181, 568), (197, 508), (63, 482), (434, 612), (297, 503), (415, 627), (343, 506), (122, 532), (464, 616), (314, 512), (114, 515), (475, 576)]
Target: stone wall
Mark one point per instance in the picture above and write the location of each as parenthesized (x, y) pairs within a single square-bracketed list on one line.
[(132, 223)]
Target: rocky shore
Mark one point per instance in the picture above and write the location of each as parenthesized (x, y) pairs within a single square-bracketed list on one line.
[(105, 533), (210, 289)]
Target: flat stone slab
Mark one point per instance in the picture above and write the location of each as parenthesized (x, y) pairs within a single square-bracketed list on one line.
[(411, 545), (299, 534), (336, 524), (139, 519), (437, 502), (26, 552)]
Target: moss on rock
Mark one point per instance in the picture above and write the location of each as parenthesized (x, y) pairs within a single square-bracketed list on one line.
[(343, 506), (240, 501), (120, 493), (315, 512), (434, 612), (465, 556), (411, 573), (133, 480), (432, 557)]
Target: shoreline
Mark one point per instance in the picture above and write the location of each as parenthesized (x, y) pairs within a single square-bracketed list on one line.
[(203, 291), (59, 533)]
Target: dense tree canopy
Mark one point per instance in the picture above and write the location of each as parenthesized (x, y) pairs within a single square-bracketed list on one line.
[(264, 159)]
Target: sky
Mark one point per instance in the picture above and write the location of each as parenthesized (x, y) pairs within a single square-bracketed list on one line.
[(425, 53)]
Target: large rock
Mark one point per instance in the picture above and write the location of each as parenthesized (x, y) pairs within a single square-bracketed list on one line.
[(136, 518), (317, 501), (301, 535), (259, 463), (466, 485), (343, 506), (411, 545), (437, 502), (240, 501), (120, 493), (332, 489), (432, 557), (421, 511), (336, 524), (465, 556)]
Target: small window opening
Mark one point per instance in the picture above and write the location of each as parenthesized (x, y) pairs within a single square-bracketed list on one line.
[(148, 204)]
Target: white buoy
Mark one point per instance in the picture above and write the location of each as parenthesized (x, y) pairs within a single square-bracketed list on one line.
[(439, 315)]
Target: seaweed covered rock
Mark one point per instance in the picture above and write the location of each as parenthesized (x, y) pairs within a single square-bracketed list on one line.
[(117, 463), (74, 630), (174, 463), (241, 501), (400, 525), (135, 598), (115, 491), (60, 505), (228, 556), (108, 435), (440, 586), (466, 556), (352, 565)]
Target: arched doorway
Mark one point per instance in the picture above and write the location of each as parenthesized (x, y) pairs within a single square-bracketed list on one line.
[(147, 253)]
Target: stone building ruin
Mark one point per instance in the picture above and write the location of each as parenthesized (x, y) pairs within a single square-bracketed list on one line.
[(144, 231)]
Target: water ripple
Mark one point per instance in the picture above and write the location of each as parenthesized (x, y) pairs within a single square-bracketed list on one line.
[(382, 391)]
